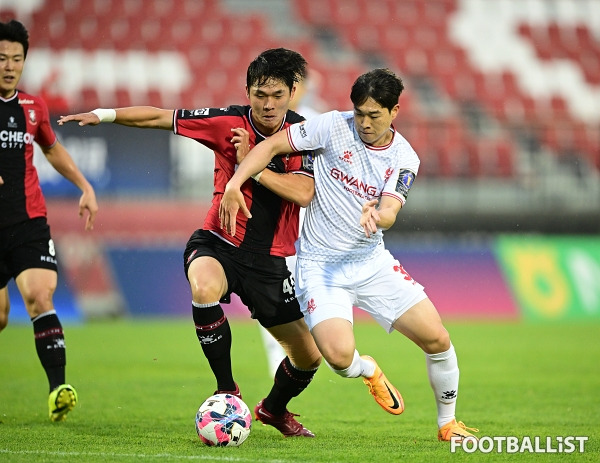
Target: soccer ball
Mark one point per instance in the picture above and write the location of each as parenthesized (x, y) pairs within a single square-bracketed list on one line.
[(223, 420)]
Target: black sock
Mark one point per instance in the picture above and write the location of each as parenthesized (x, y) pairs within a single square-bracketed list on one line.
[(50, 347), (289, 382), (214, 334)]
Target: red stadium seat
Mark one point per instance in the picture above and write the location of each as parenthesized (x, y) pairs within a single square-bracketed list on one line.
[(90, 98), (505, 158), (405, 13), (122, 97), (315, 13), (348, 14), (6, 13), (378, 13), (435, 13), (154, 98)]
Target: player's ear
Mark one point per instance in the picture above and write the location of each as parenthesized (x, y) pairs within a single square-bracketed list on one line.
[(247, 92)]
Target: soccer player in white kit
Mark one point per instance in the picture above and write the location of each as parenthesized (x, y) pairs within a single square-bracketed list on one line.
[(363, 171)]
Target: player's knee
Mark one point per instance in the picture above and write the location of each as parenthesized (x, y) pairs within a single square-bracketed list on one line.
[(3, 321), (207, 282), (38, 302), (339, 360), (206, 294), (439, 341)]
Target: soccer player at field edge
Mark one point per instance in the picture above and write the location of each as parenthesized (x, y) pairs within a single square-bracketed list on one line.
[(27, 252), (363, 171), (252, 263)]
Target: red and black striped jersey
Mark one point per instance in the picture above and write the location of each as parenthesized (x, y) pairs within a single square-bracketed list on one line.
[(23, 119), (273, 228)]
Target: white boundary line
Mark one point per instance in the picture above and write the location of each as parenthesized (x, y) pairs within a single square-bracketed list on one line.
[(135, 455)]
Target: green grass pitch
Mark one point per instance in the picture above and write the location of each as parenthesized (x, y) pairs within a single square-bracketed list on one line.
[(141, 381)]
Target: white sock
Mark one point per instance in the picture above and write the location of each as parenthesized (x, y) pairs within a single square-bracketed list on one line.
[(358, 367), (443, 374)]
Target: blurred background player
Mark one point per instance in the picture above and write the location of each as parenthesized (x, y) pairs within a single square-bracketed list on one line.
[(27, 252), (251, 264), (306, 103), (342, 260)]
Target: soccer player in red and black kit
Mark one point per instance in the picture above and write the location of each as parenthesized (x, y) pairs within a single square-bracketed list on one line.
[(251, 263), (27, 252)]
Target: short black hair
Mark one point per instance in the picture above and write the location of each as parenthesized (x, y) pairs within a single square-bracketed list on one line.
[(14, 31), (279, 64), (382, 85)]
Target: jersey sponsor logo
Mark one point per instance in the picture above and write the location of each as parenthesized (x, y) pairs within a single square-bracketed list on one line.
[(10, 139), (405, 181), (346, 157), (358, 187), (197, 112), (302, 130)]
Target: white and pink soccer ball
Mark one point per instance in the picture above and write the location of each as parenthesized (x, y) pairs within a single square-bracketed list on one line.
[(223, 420)]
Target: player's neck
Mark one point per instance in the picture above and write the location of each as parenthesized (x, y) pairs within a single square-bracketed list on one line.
[(8, 94), (384, 140)]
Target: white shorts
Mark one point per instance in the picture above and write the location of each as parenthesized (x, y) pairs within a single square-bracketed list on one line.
[(380, 286)]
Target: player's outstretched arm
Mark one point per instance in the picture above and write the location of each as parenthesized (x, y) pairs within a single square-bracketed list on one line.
[(146, 117), (60, 159), (256, 160)]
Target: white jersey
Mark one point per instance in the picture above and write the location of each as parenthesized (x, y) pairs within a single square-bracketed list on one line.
[(347, 174)]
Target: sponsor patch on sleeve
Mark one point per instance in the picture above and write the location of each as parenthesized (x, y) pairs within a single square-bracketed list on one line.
[(302, 131), (192, 113), (406, 178), (308, 161)]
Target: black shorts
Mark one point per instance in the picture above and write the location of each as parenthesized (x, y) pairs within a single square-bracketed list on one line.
[(263, 282), (26, 245)]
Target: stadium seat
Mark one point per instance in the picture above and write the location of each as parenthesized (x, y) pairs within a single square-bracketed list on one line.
[(505, 158), (122, 97), (154, 98), (90, 98), (377, 12), (314, 13), (405, 13)]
